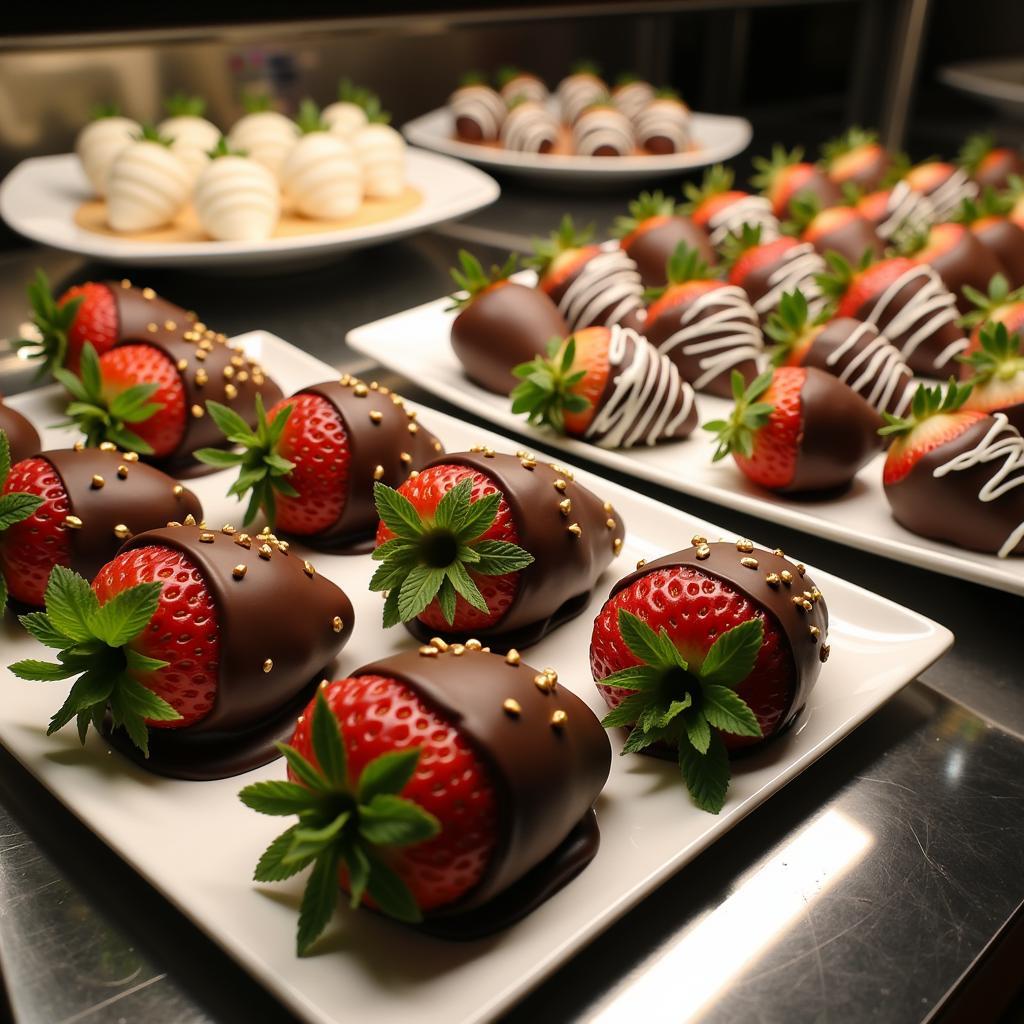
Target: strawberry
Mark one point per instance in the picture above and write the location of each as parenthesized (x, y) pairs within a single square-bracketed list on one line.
[(607, 385), (500, 323), (310, 463), (197, 644), (721, 210), (842, 229), (651, 232), (944, 184), (895, 213), (708, 650), (955, 474), (999, 305), (87, 502), (996, 374), (856, 158), (989, 222), (1015, 193), (767, 270), (785, 175), (851, 350), (477, 109), (592, 286), (505, 547), (797, 429), (705, 326), (432, 786), (989, 165), (16, 506), (98, 313), (22, 437), (904, 299)]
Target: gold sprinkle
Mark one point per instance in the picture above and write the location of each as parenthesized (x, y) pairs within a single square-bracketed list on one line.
[(439, 643), (182, 365), (171, 523), (206, 345), (360, 391), (490, 453), (616, 545), (230, 392), (242, 376), (543, 682), (376, 416), (198, 412), (703, 552), (122, 472), (575, 529), (823, 652), (607, 506), (108, 446), (79, 446), (336, 624), (152, 328), (130, 456), (97, 481), (170, 325), (243, 540), (428, 652), (413, 474), (512, 707), (779, 553), (748, 563), (308, 569), (772, 579), (125, 283), (206, 538), (374, 386), (177, 490), (282, 546), (190, 520), (513, 657), (560, 485), (814, 631), (697, 540), (798, 602), (265, 551), (202, 377), (238, 362), (378, 473), (228, 529), (148, 293), (239, 571), (562, 471), (816, 594), (228, 372), (786, 576), (438, 447), (565, 506), (745, 546), (801, 568), (405, 458), (73, 522), (474, 645), (268, 665), (641, 563), (609, 524), (458, 650), (528, 463), (552, 675), (413, 428), (559, 718), (121, 532)]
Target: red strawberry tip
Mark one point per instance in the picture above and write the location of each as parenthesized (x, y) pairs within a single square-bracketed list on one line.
[(853, 138), (736, 434)]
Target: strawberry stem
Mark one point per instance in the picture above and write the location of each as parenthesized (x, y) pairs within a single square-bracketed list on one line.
[(999, 357), (472, 279), (565, 239), (53, 322), (736, 434), (646, 206), (546, 392), (716, 180), (927, 402)]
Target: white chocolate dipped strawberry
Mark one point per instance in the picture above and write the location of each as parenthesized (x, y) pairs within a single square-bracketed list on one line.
[(192, 136), (380, 151), (265, 134), (347, 114), (236, 198), (148, 184), (99, 143), (321, 176)]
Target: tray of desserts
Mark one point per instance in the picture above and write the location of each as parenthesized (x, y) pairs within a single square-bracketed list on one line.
[(586, 129), (799, 330), (450, 635), (269, 188)]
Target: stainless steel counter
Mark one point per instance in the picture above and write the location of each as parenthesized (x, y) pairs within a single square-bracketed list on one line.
[(867, 890)]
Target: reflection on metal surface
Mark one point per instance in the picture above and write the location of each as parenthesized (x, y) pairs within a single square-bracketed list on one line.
[(694, 971)]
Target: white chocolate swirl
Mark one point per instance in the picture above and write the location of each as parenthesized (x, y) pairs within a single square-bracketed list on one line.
[(524, 87), (343, 118), (576, 93), (380, 151), (481, 105), (946, 199), (800, 264), (877, 372), (527, 127), (906, 213), (266, 137), (601, 127), (1001, 442), (99, 144), (632, 97), (609, 279), (753, 210), (664, 119), (322, 178), (237, 199), (147, 187)]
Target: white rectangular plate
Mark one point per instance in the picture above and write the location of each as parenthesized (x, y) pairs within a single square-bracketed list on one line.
[(197, 844), (416, 344), (40, 197)]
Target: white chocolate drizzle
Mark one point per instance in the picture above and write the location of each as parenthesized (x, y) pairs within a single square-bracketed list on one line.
[(524, 87), (664, 119), (753, 210), (632, 97), (600, 127), (800, 264), (947, 197), (906, 213), (527, 127), (609, 279), (1002, 441), (482, 105), (576, 93), (879, 362)]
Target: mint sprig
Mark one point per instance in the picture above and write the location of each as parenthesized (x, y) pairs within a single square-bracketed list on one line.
[(53, 323), (262, 469), (546, 392), (437, 557), (15, 506), (341, 825), (736, 434), (92, 641), (682, 706)]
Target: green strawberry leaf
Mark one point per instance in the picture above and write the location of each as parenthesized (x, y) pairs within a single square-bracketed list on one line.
[(733, 654), (38, 624), (706, 775), (698, 732), (357, 860), (319, 899), (729, 712), (279, 798), (41, 671), (328, 744), (306, 773), (387, 774), (271, 866), (391, 821), (16, 506), (391, 894), (125, 614)]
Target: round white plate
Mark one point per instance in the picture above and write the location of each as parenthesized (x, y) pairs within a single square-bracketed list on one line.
[(40, 196), (718, 136)]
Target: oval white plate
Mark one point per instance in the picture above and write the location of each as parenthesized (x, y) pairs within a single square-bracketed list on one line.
[(719, 137), (40, 197)]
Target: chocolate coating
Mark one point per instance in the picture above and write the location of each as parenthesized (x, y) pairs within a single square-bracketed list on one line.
[(371, 444), (546, 777), (795, 265), (603, 289), (651, 249), (851, 240), (21, 435), (777, 602), (815, 186), (967, 262), (276, 612), (503, 327), (137, 308), (868, 174), (998, 169), (557, 584), (1005, 240)]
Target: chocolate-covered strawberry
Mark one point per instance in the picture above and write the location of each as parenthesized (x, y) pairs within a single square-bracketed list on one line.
[(841, 229), (651, 232), (102, 313), (896, 213), (609, 386), (856, 158), (579, 89), (989, 222), (500, 323), (708, 650), (907, 301), (721, 210), (310, 463), (664, 125), (1015, 193), (998, 306), (785, 175), (88, 502), (767, 270), (988, 164), (194, 649), (944, 184), (478, 111), (593, 286), (852, 350), (956, 475), (503, 547), (996, 374), (705, 326), (797, 429), (447, 787), (150, 397), (22, 437)]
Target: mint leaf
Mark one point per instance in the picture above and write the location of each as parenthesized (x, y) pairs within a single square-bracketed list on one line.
[(38, 624), (312, 840), (698, 732), (706, 775), (319, 899), (727, 711), (303, 770), (229, 422), (271, 866), (92, 689), (655, 649), (358, 863), (218, 457), (278, 797), (5, 458), (70, 603), (638, 677), (126, 614), (391, 616), (391, 821), (391, 894), (480, 517), (16, 507), (465, 585), (140, 701), (328, 743), (454, 506), (41, 671), (499, 557), (627, 712), (397, 513), (418, 590), (446, 600), (387, 774), (136, 661), (732, 656)]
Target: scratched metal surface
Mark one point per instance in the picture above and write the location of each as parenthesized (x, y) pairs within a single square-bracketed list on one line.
[(861, 892)]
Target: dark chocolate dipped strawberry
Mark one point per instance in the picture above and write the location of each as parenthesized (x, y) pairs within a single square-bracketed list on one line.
[(708, 650), (767, 270), (852, 350), (476, 109), (907, 301), (998, 306), (988, 164), (651, 232), (705, 326), (102, 313), (88, 502), (22, 437), (721, 210), (956, 475), (989, 222), (449, 787), (609, 386), (785, 175), (1015, 193), (504, 547), (996, 374), (195, 649), (798, 429), (150, 396), (856, 158), (841, 229), (592, 286), (500, 323), (310, 462), (895, 213), (944, 184)]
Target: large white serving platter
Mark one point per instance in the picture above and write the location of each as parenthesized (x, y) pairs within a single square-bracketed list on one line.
[(718, 137), (197, 844), (416, 343), (40, 197)]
